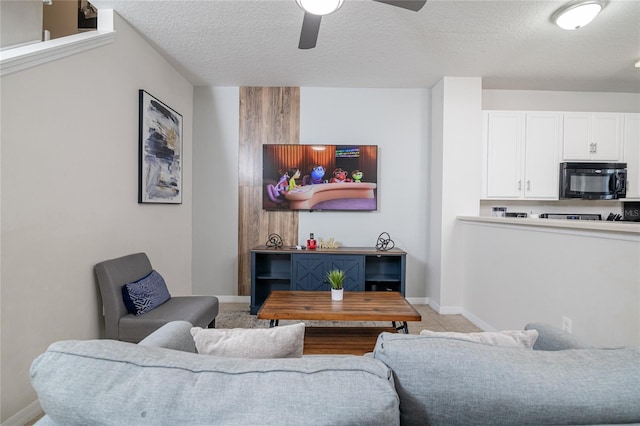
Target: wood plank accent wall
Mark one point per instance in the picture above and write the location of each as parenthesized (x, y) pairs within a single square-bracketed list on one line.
[(267, 115)]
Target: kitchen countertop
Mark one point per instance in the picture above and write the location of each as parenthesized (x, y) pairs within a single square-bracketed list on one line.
[(591, 225)]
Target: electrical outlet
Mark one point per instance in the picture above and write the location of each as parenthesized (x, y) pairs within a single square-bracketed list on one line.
[(566, 324)]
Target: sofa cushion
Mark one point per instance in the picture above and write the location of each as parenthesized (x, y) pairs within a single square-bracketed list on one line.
[(111, 382), (552, 338), (145, 294), (508, 338), (451, 381), (198, 310), (278, 342)]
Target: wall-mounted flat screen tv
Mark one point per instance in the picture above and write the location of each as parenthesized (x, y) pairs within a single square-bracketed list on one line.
[(320, 177)]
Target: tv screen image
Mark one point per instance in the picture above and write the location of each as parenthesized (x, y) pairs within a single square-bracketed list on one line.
[(320, 177)]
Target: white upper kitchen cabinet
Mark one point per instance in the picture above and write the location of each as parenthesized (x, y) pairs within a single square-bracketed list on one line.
[(592, 137), (503, 143), (632, 154), (521, 155), (543, 136)]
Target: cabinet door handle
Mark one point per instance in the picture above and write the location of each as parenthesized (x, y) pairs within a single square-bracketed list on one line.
[(520, 185), (528, 185), (595, 147)]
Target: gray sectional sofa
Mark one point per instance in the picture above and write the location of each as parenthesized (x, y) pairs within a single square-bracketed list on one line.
[(409, 379)]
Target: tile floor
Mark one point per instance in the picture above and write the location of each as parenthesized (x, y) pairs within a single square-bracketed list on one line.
[(431, 320)]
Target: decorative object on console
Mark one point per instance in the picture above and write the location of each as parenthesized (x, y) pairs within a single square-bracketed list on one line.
[(384, 242), (311, 242), (160, 152), (331, 243), (336, 278), (274, 241)]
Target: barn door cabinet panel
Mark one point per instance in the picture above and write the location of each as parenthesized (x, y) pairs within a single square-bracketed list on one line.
[(367, 269), (310, 271)]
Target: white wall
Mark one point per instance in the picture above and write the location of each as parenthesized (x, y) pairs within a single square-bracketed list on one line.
[(20, 22), (69, 177), (456, 160), (216, 125), (397, 121), (436, 165), (516, 275)]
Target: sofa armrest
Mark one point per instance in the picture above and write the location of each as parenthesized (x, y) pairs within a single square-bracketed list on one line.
[(444, 380), (173, 335), (552, 338)]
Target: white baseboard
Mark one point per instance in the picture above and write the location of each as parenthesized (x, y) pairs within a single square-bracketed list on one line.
[(477, 321), (24, 416), (418, 300), (445, 310), (458, 310)]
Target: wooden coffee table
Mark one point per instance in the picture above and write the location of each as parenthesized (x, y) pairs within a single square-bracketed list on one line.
[(356, 306)]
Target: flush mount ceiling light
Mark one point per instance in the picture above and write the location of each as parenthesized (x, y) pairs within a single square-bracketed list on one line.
[(577, 14), (320, 7)]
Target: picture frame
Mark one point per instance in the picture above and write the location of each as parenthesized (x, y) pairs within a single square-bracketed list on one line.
[(159, 152), (87, 16)]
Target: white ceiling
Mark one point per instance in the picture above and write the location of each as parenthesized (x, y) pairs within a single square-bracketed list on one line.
[(511, 44)]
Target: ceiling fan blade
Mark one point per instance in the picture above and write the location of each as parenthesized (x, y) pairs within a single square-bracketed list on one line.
[(310, 29), (414, 5)]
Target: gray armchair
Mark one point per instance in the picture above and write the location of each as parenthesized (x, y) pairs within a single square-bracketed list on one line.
[(113, 274)]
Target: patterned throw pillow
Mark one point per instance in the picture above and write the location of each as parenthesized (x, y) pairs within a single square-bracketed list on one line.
[(145, 294)]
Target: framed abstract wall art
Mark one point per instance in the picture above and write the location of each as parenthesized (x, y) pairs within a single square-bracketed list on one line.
[(160, 152)]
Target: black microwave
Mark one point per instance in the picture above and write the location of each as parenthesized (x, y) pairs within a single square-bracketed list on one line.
[(593, 181)]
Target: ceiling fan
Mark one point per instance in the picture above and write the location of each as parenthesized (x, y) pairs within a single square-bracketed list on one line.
[(314, 10)]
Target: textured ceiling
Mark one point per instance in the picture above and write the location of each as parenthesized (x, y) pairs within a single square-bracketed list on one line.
[(511, 44)]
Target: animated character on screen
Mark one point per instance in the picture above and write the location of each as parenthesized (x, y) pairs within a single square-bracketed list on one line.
[(317, 173), (276, 191), (294, 173), (357, 176), (282, 184), (339, 176)]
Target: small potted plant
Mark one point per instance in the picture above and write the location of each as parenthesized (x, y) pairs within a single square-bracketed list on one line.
[(336, 278)]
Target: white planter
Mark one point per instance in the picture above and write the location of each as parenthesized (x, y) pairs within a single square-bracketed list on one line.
[(337, 294)]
